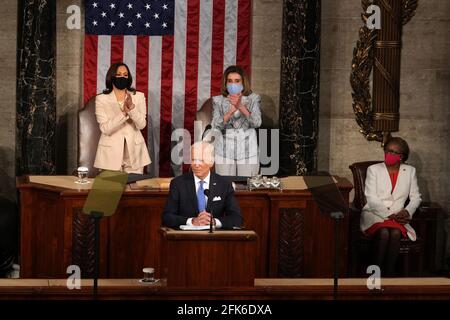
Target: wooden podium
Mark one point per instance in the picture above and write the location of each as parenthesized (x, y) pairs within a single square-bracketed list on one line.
[(203, 259)]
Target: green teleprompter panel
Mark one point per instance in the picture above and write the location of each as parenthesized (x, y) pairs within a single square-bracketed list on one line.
[(106, 192)]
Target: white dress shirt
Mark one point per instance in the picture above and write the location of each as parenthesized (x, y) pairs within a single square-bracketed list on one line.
[(205, 186)]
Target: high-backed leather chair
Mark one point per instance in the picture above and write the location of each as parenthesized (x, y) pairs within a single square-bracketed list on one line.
[(88, 137), (359, 170), (361, 246), (205, 114)]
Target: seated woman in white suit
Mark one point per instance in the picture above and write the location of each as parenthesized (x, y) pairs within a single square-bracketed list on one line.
[(121, 114), (385, 217)]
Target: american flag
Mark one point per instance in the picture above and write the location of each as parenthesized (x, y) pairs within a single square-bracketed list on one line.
[(176, 50)]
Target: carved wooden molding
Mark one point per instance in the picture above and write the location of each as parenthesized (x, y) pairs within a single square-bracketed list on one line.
[(291, 243), (83, 243)]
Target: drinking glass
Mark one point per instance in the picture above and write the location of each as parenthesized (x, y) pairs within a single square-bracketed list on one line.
[(82, 175), (149, 275)]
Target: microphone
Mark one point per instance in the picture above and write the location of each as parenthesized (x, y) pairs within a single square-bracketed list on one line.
[(207, 128), (206, 192), (209, 135)]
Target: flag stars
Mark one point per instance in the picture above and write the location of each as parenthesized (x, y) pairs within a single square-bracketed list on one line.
[(128, 17)]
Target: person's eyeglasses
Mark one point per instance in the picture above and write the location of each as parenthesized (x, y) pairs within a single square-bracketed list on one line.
[(393, 152)]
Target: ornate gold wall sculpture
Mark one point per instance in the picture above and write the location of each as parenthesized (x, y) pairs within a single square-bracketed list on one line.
[(379, 51)]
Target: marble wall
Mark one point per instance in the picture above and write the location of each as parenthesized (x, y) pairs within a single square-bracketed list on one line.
[(69, 88), (424, 100), (8, 39), (299, 87), (266, 55), (36, 88)]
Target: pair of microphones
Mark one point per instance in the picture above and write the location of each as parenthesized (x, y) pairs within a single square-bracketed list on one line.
[(206, 192)]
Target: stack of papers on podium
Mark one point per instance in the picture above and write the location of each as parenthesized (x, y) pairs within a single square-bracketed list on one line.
[(186, 227), (298, 182), (155, 183)]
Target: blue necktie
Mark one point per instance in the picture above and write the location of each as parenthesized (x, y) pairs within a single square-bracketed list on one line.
[(201, 197)]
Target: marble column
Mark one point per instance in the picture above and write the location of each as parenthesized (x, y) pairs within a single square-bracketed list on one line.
[(299, 92), (36, 87)]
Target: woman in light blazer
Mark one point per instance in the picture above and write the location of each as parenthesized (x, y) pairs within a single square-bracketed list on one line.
[(385, 217), (236, 114), (121, 114)]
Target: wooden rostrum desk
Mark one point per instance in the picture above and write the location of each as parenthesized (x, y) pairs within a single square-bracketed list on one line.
[(294, 240)]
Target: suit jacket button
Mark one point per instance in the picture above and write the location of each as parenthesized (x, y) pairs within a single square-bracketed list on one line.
[(389, 208)]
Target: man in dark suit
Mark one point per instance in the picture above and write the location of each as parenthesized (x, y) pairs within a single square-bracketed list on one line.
[(187, 203)]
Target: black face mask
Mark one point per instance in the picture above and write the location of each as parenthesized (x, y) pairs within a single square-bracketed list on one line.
[(121, 82)]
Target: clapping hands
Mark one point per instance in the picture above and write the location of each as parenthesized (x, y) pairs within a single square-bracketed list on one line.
[(235, 104), (128, 105), (235, 99)]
